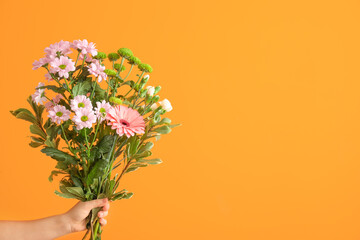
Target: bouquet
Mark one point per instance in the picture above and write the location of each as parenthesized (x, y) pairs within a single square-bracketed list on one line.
[(99, 124)]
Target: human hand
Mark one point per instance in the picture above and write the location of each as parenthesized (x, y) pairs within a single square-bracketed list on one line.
[(77, 215)]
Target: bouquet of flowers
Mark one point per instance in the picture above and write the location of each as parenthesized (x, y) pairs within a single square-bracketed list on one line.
[(99, 125)]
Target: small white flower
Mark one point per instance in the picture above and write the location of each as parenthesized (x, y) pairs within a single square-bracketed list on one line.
[(147, 77), (150, 90), (166, 105)]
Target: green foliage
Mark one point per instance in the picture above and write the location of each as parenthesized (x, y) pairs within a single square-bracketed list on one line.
[(59, 155), (82, 88)]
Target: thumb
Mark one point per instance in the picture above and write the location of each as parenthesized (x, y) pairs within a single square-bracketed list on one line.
[(95, 203)]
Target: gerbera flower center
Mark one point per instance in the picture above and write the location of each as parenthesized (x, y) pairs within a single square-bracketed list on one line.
[(84, 118), (124, 123), (59, 114), (81, 105), (62, 66)]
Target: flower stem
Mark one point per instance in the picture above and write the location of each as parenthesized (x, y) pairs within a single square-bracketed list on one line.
[(94, 85), (66, 140), (96, 130), (135, 83), (132, 65)]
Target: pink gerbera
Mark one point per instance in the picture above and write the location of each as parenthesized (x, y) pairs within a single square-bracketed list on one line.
[(125, 120), (84, 117), (79, 102), (59, 113), (63, 66), (97, 70)]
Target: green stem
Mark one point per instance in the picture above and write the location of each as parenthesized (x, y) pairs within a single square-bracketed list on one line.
[(135, 83), (87, 143), (94, 85), (96, 229), (82, 66), (132, 65), (66, 140), (96, 130)]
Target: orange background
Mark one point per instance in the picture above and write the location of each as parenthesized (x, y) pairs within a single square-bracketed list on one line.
[(268, 95)]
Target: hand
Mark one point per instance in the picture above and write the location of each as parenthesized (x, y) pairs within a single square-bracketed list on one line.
[(76, 216)]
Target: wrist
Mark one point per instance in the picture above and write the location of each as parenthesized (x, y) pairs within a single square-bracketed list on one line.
[(65, 222)]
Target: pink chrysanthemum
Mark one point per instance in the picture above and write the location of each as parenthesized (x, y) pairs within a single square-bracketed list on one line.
[(84, 47), (39, 95), (42, 61), (59, 113), (97, 70), (48, 77), (56, 49), (80, 102), (102, 108), (84, 117), (125, 120), (63, 66), (50, 104)]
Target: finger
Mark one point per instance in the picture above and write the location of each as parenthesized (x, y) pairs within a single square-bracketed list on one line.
[(102, 221), (102, 214), (95, 203), (106, 207)]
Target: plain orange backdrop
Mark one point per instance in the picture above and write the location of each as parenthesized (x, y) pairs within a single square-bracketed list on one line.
[(268, 95)]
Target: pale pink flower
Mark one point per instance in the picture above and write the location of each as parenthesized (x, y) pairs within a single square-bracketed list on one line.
[(101, 109), (57, 98), (80, 102), (61, 48), (97, 70), (50, 104), (84, 117), (63, 66), (39, 95), (48, 77), (84, 47), (42, 61), (125, 120), (59, 113), (88, 59)]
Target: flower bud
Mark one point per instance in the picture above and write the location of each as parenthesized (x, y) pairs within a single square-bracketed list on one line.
[(125, 52), (143, 92), (110, 72), (166, 105), (154, 106), (100, 55), (115, 100), (134, 60), (145, 67), (155, 98), (137, 87), (157, 89), (147, 77), (150, 90), (147, 98), (113, 56)]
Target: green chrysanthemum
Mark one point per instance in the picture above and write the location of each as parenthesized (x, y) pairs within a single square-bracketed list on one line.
[(134, 60), (125, 52), (110, 72), (100, 55), (117, 67), (113, 56), (115, 100), (145, 67)]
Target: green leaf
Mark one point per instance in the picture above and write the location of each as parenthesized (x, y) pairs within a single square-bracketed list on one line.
[(53, 88), (175, 125), (23, 113), (148, 146), (128, 195), (82, 88), (64, 195), (97, 170), (165, 121), (59, 155), (131, 169), (163, 129), (77, 191), (151, 161), (35, 129), (54, 173), (37, 139), (35, 144)]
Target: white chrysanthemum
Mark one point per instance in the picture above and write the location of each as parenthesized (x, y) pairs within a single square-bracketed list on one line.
[(85, 117), (166, 105), (80, 102)]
